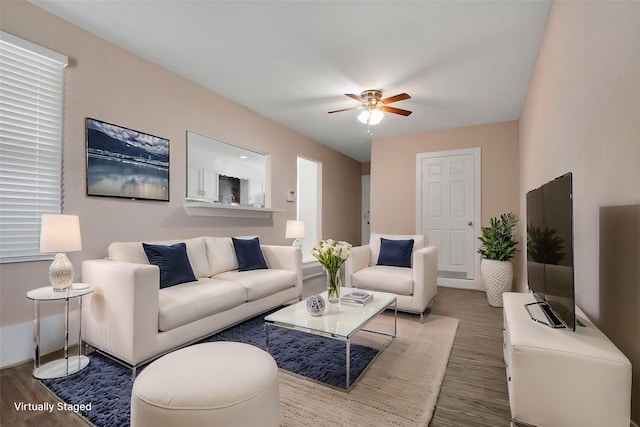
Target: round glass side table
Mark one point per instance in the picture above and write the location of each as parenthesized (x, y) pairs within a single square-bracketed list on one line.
[(67, 365)]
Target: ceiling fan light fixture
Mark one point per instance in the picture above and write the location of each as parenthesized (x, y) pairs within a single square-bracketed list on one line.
[(371, 116)]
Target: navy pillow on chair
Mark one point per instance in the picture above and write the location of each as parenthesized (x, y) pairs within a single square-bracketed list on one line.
[(395, 253), (249, 254), (173, 262)]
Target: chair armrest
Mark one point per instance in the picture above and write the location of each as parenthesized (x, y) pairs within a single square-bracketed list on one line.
[(285, 258), (425, 276), (358, 259), (121, 315)]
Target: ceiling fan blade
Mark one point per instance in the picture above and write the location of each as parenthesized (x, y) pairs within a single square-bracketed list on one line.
[(396, 98), (344, 109), (396, 110), (356, 97)]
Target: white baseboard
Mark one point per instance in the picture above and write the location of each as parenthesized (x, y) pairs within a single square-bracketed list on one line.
[(17, 341), (311, 269), (475, 285)]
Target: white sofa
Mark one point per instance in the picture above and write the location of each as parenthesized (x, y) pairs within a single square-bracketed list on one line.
[(131, 318), (415, 287)]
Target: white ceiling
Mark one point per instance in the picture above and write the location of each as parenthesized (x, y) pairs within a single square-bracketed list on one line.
[(463, 62)]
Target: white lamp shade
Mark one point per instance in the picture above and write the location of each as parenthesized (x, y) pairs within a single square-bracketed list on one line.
[(295, 229), (60, 233)]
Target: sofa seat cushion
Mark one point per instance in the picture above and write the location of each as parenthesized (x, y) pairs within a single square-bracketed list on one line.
[(397, 280), (188, 302), (260, 283)]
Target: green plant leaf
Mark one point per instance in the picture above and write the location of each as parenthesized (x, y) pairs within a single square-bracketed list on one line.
[(497, 240)]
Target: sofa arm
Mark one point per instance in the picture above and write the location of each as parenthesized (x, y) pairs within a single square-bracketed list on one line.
[(285, 258), (358, 259), (121, 315), (425, 276)]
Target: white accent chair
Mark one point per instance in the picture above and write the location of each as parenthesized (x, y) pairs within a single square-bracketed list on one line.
[(415, 287)]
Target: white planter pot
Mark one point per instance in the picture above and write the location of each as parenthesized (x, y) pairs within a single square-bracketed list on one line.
[(498, 279)]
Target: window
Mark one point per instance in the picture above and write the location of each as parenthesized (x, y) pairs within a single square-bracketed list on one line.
[(31, 91)]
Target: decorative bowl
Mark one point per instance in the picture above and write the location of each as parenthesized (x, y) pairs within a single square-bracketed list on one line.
[(315, 305)]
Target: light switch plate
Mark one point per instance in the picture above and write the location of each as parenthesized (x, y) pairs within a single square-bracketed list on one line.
[(291, 196)]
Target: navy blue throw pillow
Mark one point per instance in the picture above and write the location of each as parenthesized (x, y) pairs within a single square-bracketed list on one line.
[(395, 253), (249, 254), (173, 262)]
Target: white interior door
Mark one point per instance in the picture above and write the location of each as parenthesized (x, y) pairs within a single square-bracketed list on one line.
[(448, 209)]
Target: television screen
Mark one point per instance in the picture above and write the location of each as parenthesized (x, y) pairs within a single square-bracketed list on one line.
[(550, 248), (535, 242)]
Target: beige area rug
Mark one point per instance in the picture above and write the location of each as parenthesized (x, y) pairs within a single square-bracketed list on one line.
[(400, 387)]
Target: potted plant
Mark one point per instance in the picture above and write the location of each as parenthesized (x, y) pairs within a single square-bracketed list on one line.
[(332, 254), (497, 248)]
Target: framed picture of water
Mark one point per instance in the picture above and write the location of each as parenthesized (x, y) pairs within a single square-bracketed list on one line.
[(126, 163)]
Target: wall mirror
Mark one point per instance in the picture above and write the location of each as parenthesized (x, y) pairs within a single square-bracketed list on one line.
[(222, 173)]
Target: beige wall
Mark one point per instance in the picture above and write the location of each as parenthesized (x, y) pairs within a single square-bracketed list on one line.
[(620, 287), (366, 168), (111, 84), (582, 114), (393, 172)]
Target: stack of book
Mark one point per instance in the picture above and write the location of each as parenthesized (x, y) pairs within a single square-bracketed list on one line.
[(358, 298)]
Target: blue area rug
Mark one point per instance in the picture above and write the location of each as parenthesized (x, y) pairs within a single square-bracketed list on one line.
[(107, 385)]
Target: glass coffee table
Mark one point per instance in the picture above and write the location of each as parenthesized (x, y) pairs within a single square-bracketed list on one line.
[(339, 321)]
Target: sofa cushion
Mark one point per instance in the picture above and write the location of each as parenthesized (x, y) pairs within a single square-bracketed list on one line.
[(221, 255), (395, 253), (419, 242), (173, 263), (133, 252), (249, 254), (383, 278), (260, 283), (188, 302)]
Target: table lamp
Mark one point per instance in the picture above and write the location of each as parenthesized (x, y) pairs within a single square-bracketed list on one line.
[(295, 230), (60, 233)]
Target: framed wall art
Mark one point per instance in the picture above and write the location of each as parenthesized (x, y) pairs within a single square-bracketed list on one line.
[(126, 163)]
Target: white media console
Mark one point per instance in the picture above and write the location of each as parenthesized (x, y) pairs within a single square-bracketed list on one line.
[(560, 378)]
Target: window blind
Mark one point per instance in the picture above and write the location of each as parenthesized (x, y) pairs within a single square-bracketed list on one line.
[(31, 95)]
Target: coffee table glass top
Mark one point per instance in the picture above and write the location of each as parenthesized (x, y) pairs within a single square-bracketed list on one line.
[(338, 320)]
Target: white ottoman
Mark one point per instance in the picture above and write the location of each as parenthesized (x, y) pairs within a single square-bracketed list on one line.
[(212, 384)]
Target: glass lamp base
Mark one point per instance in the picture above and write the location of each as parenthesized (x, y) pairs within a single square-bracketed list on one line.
[(61, 272)]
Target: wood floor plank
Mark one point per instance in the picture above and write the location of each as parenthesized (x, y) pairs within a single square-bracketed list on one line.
[(474, 391)]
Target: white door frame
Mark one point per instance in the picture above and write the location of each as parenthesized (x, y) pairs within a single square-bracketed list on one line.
[(310, 239), (365, 216), (476, 283)]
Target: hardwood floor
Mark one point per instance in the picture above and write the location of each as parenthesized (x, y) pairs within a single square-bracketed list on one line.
[(474, 392)]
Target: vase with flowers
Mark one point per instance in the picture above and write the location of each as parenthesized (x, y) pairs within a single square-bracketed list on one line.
[(332, 254)]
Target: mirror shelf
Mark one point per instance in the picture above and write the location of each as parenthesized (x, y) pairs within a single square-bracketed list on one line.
[(204, 208)]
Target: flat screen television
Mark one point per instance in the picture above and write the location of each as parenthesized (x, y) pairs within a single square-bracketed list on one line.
[(550, 250)]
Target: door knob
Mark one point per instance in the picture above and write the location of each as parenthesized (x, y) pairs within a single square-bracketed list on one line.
[(470, 223)]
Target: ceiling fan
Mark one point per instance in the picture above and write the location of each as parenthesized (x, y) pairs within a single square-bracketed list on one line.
[(374, 106)]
